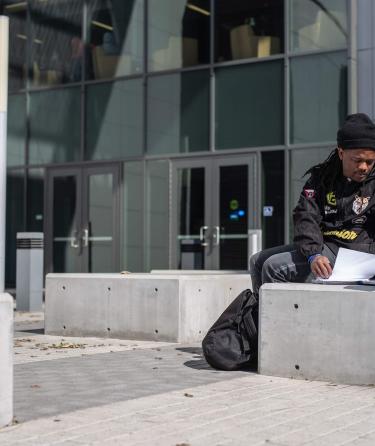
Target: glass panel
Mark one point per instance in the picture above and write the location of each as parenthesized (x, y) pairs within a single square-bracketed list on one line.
[(178, 33), (116, 38), (300, 162), (273, 198), (114, 120), (17, 13), (233, 206), (317, 111), (55, 120), (318, 25), (248, 29), (35, 200), (190, 217), (178, 113), (14, 222), (100, 224), (16, 120), (132, 250), (157, 215), (250, 105), (57, 47), (65, 234)]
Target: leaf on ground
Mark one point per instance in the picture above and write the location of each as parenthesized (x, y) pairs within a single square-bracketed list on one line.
[(35, 386), (68, 345)]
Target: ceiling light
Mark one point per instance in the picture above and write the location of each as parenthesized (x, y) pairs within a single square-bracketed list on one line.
[(16, 7), (197, 9), (102, 25)]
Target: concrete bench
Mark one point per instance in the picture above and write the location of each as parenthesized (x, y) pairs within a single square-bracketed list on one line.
[(165, 307), (318, 332), (6, 359)]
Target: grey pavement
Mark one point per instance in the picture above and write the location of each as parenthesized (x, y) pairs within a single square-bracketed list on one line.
[(89, 391)]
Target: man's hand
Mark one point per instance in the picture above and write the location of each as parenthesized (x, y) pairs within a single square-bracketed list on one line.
[(321, 267)]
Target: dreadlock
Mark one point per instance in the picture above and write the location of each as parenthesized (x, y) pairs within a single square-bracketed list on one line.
[(328, 170)]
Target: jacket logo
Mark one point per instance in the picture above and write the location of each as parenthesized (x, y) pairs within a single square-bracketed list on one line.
[(359, 220), (331, 198), (328, 210), (360, 204), (344, 234), (309, 193)]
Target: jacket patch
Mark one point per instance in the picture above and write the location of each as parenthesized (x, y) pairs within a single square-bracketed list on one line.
[(328, 210), (359, 220), (331, 198), (360, 204), (309, 193), (344, 234)]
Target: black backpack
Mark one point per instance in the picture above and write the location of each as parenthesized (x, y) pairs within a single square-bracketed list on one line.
[(232, 342)]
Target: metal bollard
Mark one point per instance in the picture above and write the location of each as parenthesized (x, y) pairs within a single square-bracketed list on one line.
[(29, 275)]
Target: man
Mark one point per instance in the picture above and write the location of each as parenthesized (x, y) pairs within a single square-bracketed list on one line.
[(336, 208)]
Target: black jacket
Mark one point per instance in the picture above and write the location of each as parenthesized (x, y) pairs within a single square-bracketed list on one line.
[(343, 216)]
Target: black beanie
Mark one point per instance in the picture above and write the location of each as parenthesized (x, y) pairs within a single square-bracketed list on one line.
[(357, 132)]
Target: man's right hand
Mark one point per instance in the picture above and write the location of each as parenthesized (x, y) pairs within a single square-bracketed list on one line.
[(321, 267)]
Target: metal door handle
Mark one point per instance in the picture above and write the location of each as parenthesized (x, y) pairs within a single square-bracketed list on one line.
[(216, 235), (85, 238), (202, 231), (74, 243)]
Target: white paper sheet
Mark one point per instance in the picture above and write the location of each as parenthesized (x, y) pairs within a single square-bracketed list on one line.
[(352, 266)]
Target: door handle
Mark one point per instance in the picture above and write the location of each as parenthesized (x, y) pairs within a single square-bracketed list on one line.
[(85, 238), (74, 243), (202, 238), (216, 235)]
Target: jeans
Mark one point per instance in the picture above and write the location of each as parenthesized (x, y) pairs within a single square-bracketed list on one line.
[(282, 264)]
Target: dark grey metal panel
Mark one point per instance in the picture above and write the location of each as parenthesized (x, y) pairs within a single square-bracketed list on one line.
[(365, 33), (365, 76)]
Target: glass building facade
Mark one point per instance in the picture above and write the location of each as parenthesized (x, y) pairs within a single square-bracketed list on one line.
[(154, 134)]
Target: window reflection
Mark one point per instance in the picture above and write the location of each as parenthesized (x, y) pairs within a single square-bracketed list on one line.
[(248, 29), (57, 47), (115, 38), (317, 111), (15, 221), (179, 33), (114, 119), (17, 13), (318, 25), (249, 105), (35, 200), (16, 136), (55, 120), (178, 112)]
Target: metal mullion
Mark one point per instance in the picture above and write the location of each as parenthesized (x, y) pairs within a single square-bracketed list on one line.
[(42, 88), (352, 57), (145, 73), (84, 35), (287, 191), (27, 85), (111, 79), (287, 120), (236, 62), (212, 90), (317, 52)]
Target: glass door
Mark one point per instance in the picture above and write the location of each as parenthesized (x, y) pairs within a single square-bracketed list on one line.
[(213, 208), (63, 221), (82, 228), (234, 210), (100, 223), (191, 234)]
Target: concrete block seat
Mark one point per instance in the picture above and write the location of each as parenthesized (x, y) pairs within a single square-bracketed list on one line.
[(6, 359), (160, 306), (318, 332)]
